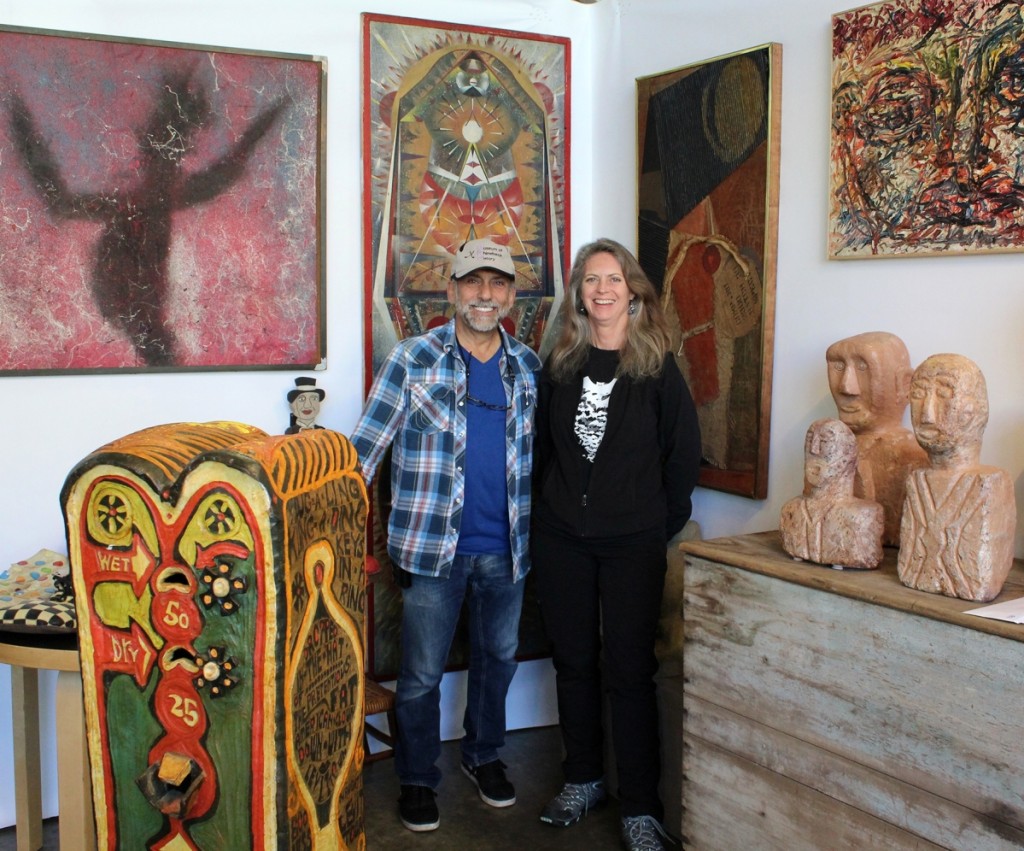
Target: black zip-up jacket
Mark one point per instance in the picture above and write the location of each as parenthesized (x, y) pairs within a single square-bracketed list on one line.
[(645, 468)]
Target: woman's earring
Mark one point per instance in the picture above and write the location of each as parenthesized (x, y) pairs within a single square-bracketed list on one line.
[(582, 310), (632, 307)]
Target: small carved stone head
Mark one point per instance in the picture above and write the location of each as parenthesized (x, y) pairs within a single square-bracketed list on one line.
[(949, 408), (830, 457)]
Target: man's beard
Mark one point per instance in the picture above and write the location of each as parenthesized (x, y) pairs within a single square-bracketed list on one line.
[(483, 324)]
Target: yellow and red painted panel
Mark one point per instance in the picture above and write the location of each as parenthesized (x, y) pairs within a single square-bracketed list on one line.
[(221, 595)]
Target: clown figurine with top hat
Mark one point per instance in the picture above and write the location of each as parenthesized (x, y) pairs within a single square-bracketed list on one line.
[(304, 400)]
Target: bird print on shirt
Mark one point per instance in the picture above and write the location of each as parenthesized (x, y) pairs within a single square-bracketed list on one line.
[(592, 415)]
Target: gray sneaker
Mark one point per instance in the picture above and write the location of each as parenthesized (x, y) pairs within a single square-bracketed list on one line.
[(644, 833), (573, 802)]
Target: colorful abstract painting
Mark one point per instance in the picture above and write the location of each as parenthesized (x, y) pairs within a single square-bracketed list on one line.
[(465, 135), (161, 206), (927, 137), (708, 177)]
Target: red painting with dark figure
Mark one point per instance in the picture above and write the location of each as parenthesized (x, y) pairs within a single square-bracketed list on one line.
[(163, 205)]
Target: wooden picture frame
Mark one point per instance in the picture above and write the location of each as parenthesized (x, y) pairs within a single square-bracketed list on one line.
[(707, 198), (927, 155), (165, 204), (465, 135)]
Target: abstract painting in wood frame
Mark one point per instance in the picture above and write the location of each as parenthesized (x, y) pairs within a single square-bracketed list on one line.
[(708, 189), (465, 135), (927, 154), (162, 206)]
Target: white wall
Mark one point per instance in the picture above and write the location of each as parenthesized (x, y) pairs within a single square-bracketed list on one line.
[(969, 305), (50, 423)]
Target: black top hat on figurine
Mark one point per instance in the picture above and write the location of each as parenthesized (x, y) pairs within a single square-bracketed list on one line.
[(305, 385), (304, 400)]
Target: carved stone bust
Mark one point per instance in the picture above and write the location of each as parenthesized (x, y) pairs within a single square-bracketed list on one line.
[(869, 376), (960, 515), (828, 524)]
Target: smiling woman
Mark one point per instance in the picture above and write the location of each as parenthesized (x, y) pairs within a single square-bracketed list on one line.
[(607, 300), (602, 520)]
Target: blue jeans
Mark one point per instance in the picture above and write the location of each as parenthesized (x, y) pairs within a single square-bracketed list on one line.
[(430, 613)]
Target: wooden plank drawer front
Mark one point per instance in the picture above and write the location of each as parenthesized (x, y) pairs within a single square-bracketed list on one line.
[(926, 702), (730, 804), (879, 806)]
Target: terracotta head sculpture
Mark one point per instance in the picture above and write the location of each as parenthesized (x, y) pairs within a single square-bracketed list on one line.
[(828, 524), (830, 459), (869, 376), (949, 409), (959, 519)]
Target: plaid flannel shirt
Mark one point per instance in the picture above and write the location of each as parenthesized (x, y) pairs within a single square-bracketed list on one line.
[(418, 404)]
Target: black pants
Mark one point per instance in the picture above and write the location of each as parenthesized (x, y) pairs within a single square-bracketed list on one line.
[(596, 593)]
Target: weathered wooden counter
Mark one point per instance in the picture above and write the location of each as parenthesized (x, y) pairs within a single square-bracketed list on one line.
[(840, 709)]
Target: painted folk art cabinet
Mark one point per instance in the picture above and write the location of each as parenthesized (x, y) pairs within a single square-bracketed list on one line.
[(219, 576)]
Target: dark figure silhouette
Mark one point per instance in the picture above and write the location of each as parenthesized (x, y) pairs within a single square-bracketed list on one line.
[(130, 278)]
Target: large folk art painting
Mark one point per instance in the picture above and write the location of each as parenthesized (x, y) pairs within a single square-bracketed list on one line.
[(162, 206), (927, 145), (465, 135), (708, 182)]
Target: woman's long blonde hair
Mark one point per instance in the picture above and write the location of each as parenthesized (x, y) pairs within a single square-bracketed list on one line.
[(647, 338)]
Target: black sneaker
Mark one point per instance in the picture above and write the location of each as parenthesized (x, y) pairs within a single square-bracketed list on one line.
[(418, 809), (491, 783)]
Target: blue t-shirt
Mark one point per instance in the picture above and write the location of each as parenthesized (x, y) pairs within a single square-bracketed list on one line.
[(485, 527)]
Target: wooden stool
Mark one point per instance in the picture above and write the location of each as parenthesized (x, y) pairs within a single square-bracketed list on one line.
[(379, 701), (27, 654)]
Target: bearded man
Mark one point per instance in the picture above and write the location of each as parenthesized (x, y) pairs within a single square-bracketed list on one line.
[(457, 403)]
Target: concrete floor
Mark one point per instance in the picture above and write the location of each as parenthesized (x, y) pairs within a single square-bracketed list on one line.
[(533, 758)]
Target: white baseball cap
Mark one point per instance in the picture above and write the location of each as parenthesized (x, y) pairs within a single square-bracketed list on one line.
[(483, 254)]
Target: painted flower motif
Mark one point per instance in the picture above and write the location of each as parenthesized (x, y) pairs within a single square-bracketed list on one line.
[(222, 589), (220, 517), (217, 671), (113, 513)]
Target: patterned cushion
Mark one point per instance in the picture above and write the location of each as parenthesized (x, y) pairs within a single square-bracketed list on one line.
[(39, 616), (36, 595)]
